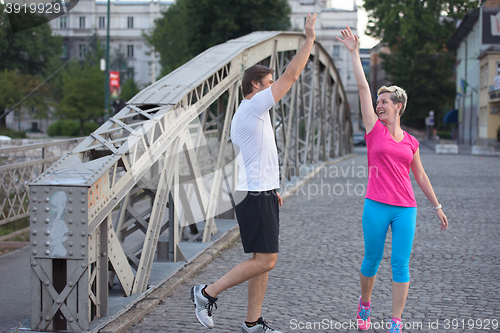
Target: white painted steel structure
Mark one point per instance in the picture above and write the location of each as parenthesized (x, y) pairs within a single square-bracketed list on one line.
[(107, 200)]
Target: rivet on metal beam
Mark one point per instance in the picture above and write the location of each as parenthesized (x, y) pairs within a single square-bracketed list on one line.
[(47, 232), (33, 220), (34, 190), (83, 210), (70, 191), (83, 254), (70, 200), (70, 233), (34, 263), (47, 209), (103, 254), (47, 199), (83, 221), (83, 244), (83, 234), (47, 318), (83, 265), (47, 190), (70, 253), (34, 199), (70, 210), (70, 221), (34, 252), (47, 221), (47, 252), (47, 243), (33, 210), (33, 231), (83, 191), (34, 243)]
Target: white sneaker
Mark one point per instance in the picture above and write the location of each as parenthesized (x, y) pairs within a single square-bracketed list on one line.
[(203, 306), (261, 327)]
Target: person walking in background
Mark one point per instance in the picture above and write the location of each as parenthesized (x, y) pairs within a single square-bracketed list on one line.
[(257, 209), (389, 200)]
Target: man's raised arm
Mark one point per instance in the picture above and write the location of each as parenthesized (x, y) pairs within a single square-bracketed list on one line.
[(292, 72)]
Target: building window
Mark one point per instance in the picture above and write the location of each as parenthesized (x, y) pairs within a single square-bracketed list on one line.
[(498, 69), (130, 22), (82, 22), (64, 53), (81, 52), (336, 51), (130, 73), (130, 51), (102, 22), (62, 22)]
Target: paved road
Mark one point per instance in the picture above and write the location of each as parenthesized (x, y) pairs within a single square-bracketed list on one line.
[(15, 306), (454, 274)]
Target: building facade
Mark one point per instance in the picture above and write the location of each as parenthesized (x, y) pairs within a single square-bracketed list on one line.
[(378, 76), (129, 20), (489, 97), (328, 25), (476, 38)]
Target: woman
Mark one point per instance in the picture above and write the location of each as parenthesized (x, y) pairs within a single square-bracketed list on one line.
[(389, 199)]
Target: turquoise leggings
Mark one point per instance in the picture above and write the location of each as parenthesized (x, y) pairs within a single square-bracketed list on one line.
[(377, 217)]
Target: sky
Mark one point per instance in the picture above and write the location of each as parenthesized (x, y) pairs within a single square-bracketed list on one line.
[(366, 42)]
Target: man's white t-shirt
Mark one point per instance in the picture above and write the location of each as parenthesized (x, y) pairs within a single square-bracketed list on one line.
[(253, 139)]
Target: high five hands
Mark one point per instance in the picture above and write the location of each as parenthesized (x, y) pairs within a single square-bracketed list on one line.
[(350, 40)]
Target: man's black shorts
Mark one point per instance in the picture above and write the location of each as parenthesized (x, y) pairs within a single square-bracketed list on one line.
[(258, 218)]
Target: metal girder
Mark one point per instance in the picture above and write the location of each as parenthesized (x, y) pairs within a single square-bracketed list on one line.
[(167, 150)]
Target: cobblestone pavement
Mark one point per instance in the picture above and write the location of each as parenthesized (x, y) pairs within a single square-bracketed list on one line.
[(315, 286)]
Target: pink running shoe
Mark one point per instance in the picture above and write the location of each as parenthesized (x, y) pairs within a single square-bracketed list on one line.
[(396, 327), (363, 317)]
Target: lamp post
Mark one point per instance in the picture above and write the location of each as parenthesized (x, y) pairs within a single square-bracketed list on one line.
[(106, 83)]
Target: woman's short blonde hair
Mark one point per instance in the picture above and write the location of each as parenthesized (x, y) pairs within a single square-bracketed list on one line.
[(398, 95)]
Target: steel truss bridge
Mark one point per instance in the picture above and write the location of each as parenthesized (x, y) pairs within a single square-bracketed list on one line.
[(164, 168)]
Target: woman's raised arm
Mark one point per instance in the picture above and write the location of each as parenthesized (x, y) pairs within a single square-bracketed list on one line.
[(351, 42)]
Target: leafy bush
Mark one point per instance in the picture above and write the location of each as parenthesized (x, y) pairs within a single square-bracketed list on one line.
[(71, 127), (12, 134), (444, 134), (89, 127)]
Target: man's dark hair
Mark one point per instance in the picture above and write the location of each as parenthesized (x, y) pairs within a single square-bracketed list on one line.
[(254, 74)]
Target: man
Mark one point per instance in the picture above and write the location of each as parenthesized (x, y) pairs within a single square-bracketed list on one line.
[(257, 209)]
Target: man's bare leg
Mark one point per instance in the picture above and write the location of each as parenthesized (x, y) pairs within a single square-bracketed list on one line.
[(257, 287), (260, 263)]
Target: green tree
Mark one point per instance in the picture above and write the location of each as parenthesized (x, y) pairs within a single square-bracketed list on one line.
[(83, 93), (27, 51), (128, 90), (10, 93), (417, 32), (25, 59), (189, 27)]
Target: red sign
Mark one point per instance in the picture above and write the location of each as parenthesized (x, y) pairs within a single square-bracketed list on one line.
[(114, 80), (114, 83)]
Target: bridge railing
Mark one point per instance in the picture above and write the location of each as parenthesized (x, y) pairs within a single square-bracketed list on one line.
[(21, 165), (163, 168)]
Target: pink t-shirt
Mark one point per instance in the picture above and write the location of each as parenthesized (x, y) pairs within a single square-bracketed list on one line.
[(389, 167)]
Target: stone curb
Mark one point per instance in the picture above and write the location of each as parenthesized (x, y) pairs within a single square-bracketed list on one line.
[(124, 321)]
